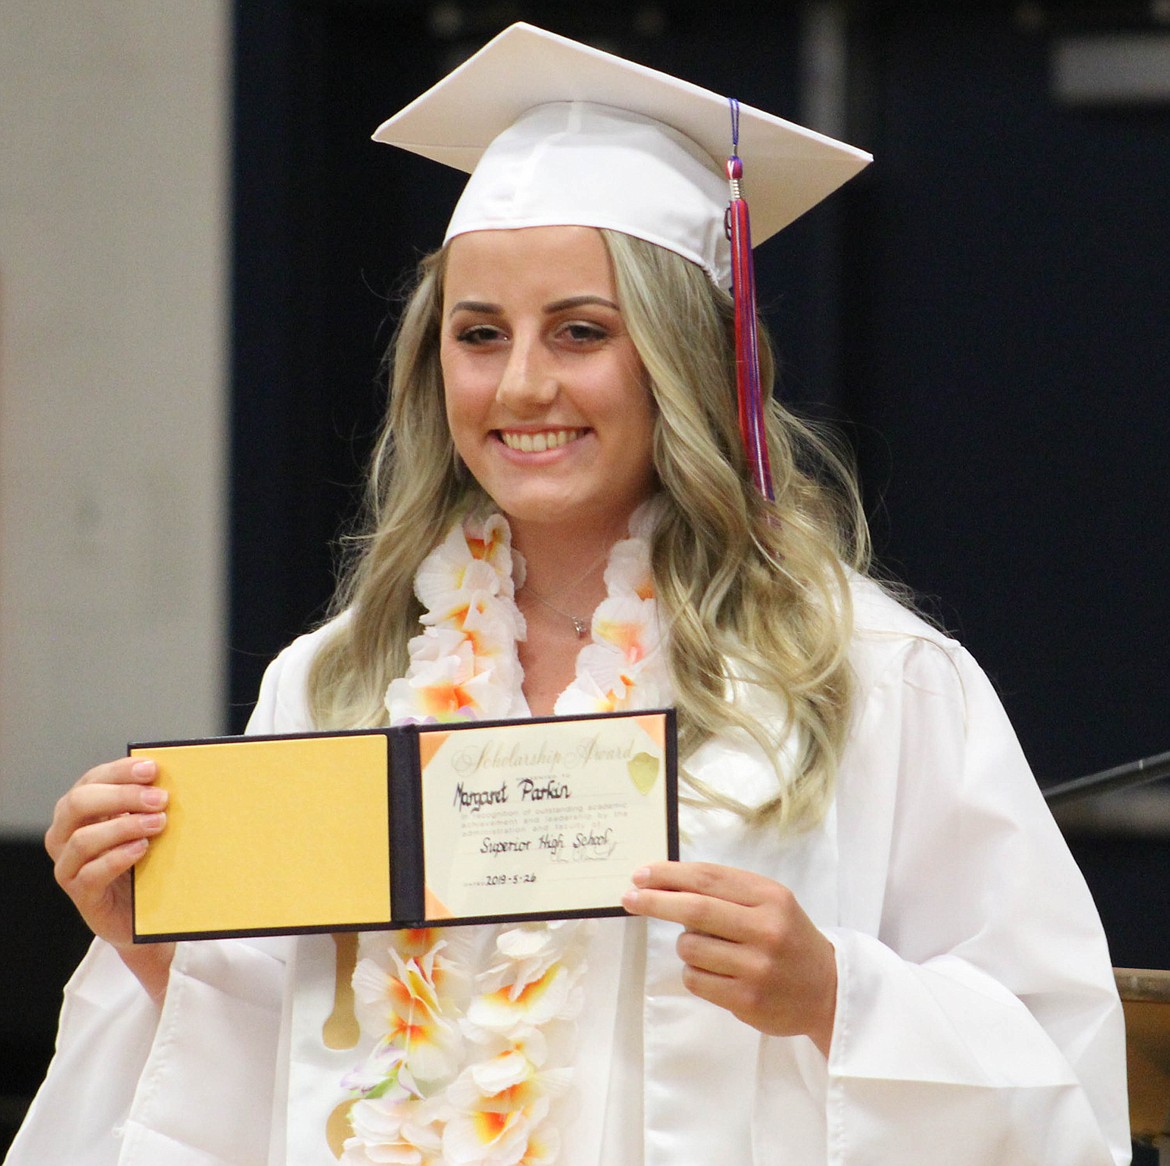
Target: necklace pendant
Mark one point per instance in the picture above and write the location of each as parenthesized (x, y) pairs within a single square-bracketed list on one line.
[(580, 626)]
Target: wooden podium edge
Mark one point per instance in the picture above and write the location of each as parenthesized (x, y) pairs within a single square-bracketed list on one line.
[(1145, 999)]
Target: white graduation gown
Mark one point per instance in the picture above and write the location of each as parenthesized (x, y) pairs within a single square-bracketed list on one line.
[(977, 1021)]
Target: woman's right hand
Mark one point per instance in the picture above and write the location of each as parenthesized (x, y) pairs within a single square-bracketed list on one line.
[(100, 829)]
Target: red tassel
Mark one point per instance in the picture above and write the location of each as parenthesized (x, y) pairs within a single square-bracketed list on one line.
[(747, 347)]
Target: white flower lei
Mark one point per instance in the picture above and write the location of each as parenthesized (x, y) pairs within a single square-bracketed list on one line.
[(466, 1069)]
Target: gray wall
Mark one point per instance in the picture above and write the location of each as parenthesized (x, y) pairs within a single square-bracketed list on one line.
[(114, 164)]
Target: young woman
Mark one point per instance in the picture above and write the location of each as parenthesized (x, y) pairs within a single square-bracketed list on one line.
[(876, 947)]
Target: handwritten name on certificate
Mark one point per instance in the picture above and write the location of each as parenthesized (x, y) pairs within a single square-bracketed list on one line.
[(543, 817)]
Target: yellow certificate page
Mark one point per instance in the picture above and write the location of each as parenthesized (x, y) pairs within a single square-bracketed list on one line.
[(268, 835)]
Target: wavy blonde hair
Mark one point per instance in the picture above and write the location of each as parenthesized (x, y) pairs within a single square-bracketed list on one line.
[(755, 594)]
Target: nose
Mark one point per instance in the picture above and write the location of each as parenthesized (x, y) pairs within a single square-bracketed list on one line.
[(528, 382)]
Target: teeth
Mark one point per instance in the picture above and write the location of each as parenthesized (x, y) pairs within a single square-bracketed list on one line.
[(539, 442)]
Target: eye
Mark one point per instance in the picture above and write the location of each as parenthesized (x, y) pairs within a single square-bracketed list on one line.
[(583, 332), (476, 334)]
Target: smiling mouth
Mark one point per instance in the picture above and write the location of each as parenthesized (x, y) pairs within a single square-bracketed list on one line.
[(539, 442)]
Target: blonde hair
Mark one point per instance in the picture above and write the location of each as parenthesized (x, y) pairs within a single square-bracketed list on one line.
[(755, 595)]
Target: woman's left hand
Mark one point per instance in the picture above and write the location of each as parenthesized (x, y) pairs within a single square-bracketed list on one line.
[(747, 946)]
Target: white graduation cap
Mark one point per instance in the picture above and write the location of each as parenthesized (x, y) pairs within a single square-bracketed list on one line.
[(558, 133)]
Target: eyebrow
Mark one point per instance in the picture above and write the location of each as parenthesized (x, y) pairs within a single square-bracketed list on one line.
[(580, 302), (550, 309)]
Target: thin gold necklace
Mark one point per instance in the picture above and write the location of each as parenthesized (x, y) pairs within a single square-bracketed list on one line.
[(581, 624)]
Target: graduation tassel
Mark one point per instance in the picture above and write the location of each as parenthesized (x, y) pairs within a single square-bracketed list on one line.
[(747, 347)]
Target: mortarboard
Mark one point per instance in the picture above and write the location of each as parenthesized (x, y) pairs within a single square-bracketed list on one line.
[(554, 132)]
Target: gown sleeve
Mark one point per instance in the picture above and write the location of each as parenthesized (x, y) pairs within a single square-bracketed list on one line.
[(192, 1083), (977, 1017)]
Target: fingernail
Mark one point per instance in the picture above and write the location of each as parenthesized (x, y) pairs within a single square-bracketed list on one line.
[(630, 899), (153, 823), (641, 876), (154, 798), (144, 768)]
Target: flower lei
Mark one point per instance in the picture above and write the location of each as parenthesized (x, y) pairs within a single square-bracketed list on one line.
[(464, 665), (465, 1068)]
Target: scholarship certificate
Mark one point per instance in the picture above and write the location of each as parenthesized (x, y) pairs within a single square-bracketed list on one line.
[(412, 826)]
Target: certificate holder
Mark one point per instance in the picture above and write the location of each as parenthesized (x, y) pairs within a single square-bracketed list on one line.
[(418, 825)]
